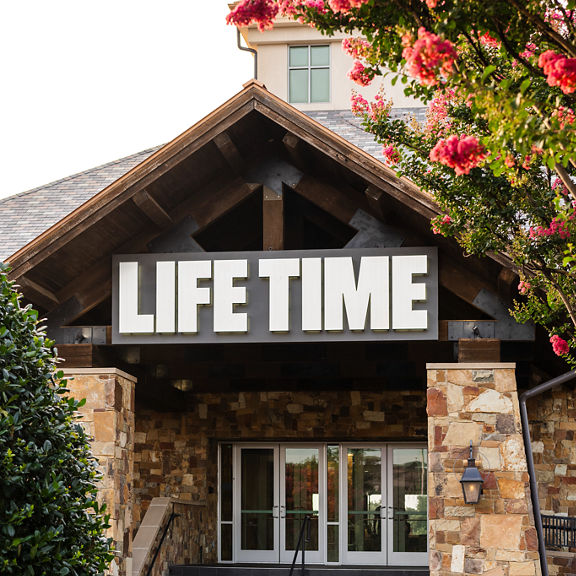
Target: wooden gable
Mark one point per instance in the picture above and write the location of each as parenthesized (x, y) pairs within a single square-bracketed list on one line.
[(256, 174)]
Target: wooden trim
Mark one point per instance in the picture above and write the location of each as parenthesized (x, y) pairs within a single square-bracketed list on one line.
[(152, 209), (272, 220), (229, 151)]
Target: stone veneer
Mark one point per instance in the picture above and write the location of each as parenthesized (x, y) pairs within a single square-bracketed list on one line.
[(176, 453), (553, 432), (108, 417), (496, 537)]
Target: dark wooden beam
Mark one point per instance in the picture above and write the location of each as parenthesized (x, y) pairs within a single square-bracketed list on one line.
[(479, 350), (273, 220), (375, 197), (37, 293), (152, 209), (230, 152), (293, 146), (334, 200)]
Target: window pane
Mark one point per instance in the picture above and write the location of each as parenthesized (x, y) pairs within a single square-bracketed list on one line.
[(320, 55), (298, 56), (298, 91), (226, 542), (333, 547), (320, 91), (226, 482), (333, 453)]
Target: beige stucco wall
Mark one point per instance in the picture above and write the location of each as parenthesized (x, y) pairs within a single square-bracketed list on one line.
[(272, 46)]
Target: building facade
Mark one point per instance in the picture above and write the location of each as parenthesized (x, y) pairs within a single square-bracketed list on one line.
[(270, 337)]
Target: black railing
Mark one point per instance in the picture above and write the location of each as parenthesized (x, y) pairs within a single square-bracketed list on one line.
[(173, 515), (303, 541), (559, 531)]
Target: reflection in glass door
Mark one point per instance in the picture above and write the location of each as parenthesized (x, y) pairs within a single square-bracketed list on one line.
[(367, 503), (299, 498), (408, 516), (258, 511)]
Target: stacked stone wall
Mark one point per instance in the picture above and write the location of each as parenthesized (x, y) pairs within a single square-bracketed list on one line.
[(552, 419), (495, 537), (176, 454), (108, 418)]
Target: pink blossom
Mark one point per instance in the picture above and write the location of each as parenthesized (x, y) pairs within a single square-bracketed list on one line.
[(524, 287), (462, 153), (360, 105), (559, 345), (560, 71), (262, 12), (345, 6), (391, 155), (557, 227), (529, 51), (356, 47), (437, 119), (564, 115), (429, 57), (360, 74), (431, 4), (487, 40), (509, 161), (439, 223)]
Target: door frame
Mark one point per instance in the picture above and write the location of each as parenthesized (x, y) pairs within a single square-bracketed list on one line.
[(281, 556)]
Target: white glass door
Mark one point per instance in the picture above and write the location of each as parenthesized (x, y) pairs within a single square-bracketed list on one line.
[(256, 505), (386, 505), (300, 488), (365, 531), (407, 516)]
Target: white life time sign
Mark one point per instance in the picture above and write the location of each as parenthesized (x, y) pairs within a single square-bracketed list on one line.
[(376, 294)]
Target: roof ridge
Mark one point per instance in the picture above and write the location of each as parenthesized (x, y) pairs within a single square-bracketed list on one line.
[(148, 151)]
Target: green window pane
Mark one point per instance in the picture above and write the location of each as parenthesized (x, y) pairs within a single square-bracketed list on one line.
[(319, 55), (298, 91), (298, 56), (320, 85)]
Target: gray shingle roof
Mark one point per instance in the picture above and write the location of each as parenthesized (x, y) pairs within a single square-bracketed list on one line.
[(25, 216)]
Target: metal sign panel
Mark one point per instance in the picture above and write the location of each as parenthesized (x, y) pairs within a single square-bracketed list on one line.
[(287, 296)]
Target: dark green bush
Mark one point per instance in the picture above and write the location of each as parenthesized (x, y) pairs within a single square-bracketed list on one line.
[(50, 521)]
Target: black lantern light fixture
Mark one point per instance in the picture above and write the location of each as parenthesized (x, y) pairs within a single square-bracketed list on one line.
[(471, 481)]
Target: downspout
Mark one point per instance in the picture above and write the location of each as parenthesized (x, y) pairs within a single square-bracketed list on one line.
[(530, 459), (251, 50)]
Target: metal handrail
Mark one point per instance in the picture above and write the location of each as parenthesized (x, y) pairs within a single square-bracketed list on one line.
[(166, 528), (303, 540)]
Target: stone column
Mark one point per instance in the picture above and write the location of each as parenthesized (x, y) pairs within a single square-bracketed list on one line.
[(108, 417), (496, 537)]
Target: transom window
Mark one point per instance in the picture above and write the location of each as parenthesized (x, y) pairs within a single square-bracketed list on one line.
[(308, 74)]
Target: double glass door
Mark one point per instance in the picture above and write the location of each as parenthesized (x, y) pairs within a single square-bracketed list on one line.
[(367, 503)]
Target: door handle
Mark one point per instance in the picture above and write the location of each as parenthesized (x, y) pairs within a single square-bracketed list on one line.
[(274, 511)]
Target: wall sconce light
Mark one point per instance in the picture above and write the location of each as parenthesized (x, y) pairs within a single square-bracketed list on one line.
[(471, 481)]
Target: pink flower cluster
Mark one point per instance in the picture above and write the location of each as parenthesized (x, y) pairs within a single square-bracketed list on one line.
[(557, 227), (437, 119), (429, 57), (564, 115), (560, 71), (360, 74), (559, 345), (246, 12), (376, 110), (356, 47), (438, 223), (345, 6), (391, 155), (462, 153), (487, 40), (524, 287)]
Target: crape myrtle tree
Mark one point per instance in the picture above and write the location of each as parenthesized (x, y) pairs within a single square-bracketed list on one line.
[(498, 149), (50, 521)]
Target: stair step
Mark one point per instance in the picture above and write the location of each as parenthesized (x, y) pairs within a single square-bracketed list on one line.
[(283, 570)]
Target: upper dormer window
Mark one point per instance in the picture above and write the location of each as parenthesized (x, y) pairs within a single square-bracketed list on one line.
[(308, 74)]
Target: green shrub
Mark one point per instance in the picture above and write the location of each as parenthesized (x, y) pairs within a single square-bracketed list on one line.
[(50, 521)]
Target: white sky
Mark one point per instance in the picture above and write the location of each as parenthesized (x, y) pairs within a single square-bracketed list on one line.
[(84, 82)]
